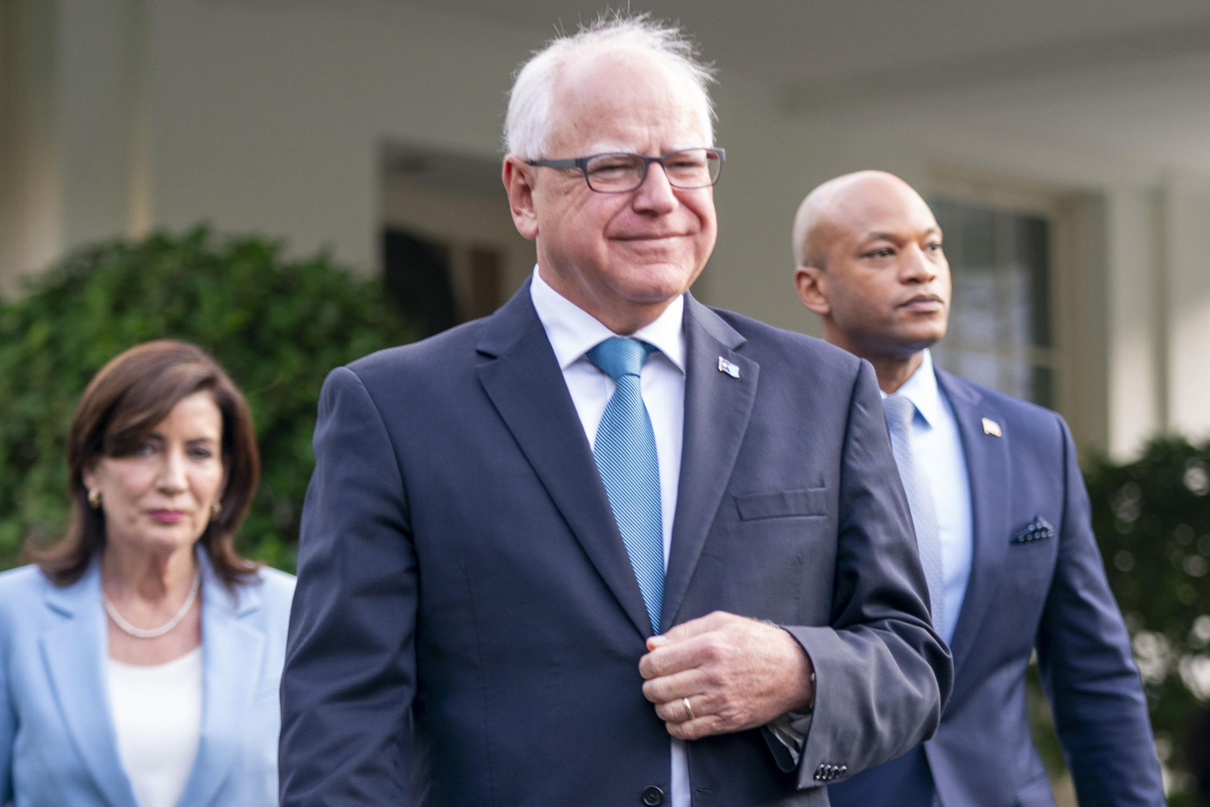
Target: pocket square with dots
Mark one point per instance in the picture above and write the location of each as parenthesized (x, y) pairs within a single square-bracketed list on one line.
[(1039, 529)]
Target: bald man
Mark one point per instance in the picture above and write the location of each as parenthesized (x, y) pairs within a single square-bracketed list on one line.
[(1001, 516)]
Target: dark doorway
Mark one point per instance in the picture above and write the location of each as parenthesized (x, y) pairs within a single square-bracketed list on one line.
[(416, 276), (486, 286)]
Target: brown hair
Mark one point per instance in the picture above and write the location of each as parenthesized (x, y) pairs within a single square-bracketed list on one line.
[(124, 401)]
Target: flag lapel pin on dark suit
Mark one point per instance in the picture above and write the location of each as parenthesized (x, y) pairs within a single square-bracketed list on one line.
[(727, 367)]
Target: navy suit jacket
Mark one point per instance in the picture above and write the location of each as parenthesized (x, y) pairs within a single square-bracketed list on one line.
[(467, 627), (1029, 589)]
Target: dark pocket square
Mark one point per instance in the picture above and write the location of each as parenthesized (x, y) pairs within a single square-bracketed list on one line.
[(1037, 530)]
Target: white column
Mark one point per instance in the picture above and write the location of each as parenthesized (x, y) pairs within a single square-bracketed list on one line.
[(1134, 292), (1187, 282), (31, 192), (75, 125), (105, 118)]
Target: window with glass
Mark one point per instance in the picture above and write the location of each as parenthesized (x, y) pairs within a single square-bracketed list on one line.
[(1000, 331)]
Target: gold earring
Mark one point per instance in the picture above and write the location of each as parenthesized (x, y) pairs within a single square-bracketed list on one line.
[(215, 509), (94, 499)]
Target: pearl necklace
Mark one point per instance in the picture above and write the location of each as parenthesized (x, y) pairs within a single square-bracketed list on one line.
[(140, 633)]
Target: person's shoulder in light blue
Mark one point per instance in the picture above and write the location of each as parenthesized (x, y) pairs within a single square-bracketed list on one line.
[(22, 600), (273, 591), (18, 586), (276, 589)]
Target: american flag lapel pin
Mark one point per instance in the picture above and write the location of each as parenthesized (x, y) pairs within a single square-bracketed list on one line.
[(727, 367)]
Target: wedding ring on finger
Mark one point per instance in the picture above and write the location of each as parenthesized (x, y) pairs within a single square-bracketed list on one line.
[(688, 709)]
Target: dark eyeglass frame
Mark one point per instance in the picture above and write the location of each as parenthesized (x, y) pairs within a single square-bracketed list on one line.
[(582, 164)]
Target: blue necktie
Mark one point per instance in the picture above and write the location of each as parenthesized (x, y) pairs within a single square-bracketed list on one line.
[(899, 414), (629, 466)]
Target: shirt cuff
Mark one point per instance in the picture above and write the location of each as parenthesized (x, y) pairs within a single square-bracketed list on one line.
[(786, 737)]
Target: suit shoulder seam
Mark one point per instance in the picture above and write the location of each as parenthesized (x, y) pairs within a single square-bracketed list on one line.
[(378, 413)]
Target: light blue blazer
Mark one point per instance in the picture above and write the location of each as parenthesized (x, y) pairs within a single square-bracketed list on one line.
[(58, 747)]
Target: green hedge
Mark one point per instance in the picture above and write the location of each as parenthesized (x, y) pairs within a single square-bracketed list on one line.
[(1152, 518), (277, 325), (1152, 521)]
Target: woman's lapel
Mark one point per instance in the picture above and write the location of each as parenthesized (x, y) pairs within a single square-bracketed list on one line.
[(75, 653), (233, 654)]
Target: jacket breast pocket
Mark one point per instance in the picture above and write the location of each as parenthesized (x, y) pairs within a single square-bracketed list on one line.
[(783, 504)]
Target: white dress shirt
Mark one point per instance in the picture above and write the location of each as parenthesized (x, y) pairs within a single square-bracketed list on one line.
[(937, 451), (157, 715), (572, 332)]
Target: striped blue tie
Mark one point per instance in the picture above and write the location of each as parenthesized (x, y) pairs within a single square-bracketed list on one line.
[(629, 466), (900, 411)]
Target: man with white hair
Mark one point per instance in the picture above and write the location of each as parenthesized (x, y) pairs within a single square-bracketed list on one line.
[(607, 546)]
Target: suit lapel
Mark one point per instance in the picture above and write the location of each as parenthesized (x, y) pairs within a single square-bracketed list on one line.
[(717, 409), (987, 468), (522, 378), (75, 654), (232, 658)]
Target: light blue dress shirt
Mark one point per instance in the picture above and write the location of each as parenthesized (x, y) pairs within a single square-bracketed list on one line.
[(937, 451), (572, 333)]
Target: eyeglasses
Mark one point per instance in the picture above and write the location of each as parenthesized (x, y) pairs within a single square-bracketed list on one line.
[(622, 172)]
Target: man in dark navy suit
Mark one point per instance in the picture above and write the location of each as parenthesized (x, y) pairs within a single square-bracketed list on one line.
[(607, 546), (998, 500)]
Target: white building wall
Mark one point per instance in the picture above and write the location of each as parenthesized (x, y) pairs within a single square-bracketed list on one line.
[(31, 197), (1187, 287), (269, 117), (1134, 267)]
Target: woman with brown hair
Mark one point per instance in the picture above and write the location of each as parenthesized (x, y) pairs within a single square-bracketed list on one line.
[(140, 657)]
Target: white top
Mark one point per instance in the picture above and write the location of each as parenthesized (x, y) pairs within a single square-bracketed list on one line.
[(937, 450), (157, 713), (572, 332)]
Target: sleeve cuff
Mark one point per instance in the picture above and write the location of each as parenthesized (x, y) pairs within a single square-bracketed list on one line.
[(786, 737)]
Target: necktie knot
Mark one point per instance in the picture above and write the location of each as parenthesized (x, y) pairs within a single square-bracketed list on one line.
[(899, 411), (620, 356)]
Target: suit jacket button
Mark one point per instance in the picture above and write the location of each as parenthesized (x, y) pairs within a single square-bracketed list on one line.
[(653, 796)]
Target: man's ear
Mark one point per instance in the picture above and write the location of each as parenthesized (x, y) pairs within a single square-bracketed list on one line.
[(811, 282), (518, 181)]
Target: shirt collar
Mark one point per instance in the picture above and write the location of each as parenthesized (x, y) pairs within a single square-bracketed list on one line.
[(922, 390), (572, 331)]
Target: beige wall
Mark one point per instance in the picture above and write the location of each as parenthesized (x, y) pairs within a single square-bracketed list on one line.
[(1186, 288), (269, 116), (31, 198)]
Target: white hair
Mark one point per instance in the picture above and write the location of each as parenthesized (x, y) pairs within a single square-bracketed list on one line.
[(528, 125)]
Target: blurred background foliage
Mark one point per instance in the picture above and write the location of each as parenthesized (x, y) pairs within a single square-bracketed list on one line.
[(1152, 520), (277, 325), (280, 325)]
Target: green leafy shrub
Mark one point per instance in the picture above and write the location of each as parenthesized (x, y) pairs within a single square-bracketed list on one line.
[(1152, 519), (278, 326)]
